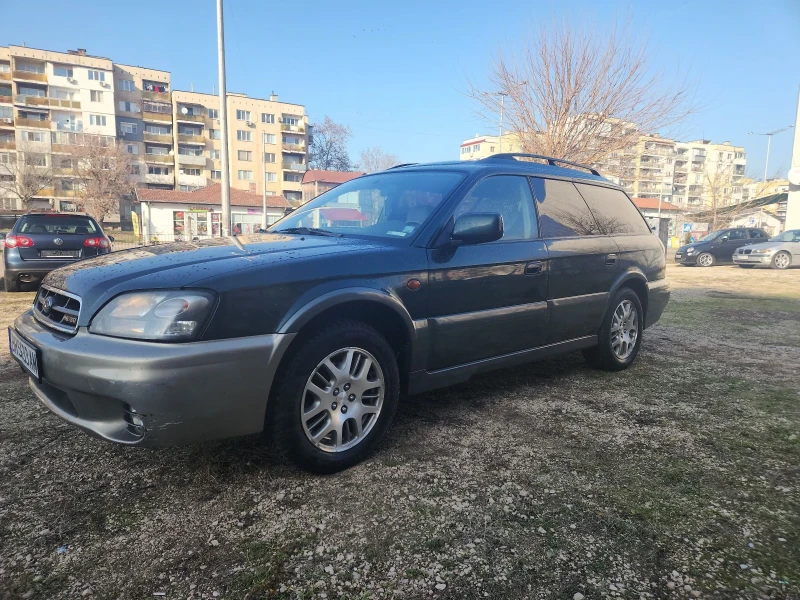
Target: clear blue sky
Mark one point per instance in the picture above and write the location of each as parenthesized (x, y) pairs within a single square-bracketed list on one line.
[(395, 72)]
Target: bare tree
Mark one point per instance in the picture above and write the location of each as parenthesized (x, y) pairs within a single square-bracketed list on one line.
[(376, 158), (26, 174), (103, 169), (581, 95), (329, 146)]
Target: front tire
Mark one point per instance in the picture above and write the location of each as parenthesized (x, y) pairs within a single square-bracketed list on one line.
[(336, 399), (781, 260), (705, 259), (11, 285), (620, 335)]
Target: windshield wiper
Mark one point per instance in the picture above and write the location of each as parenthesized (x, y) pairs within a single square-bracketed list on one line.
[(308, 231)]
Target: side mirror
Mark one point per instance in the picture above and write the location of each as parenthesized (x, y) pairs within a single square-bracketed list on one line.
[(477, 228), (111, 238), (724, 238)]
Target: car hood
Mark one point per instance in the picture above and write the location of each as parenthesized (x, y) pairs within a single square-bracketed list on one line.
[(765, 245), (183, 264), (694, 245)]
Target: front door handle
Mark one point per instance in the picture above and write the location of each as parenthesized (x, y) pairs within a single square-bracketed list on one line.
[(611, 259), (533, 267)]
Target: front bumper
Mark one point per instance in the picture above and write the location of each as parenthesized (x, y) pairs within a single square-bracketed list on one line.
[(151, 394), (686, 259), (752, 259)]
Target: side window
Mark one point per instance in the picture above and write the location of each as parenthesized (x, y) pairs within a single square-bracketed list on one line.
[(758, 235), (509, 195), (562, 211), (737, 234), (612, 210)]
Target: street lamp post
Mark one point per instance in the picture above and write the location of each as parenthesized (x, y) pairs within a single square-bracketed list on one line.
[(766, 163), (223, 125), (502, 106)]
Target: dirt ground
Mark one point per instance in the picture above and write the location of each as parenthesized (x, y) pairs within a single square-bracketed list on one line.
[(678, 478)]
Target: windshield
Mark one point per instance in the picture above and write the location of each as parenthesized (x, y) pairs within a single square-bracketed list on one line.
[(709, 237), (57, 224), (387, 205), (793, 235)]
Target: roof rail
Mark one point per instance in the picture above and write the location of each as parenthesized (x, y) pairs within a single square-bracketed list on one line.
[(402, 165), (553, 162)]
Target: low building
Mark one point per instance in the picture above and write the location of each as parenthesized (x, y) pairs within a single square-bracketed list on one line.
[(170, 215), (316, 182), (671, 216), (483, 146)]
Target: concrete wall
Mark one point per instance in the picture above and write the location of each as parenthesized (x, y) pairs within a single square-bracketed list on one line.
[(793, 205)]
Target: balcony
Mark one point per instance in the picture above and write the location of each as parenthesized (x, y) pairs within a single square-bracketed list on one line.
[(189, 118), (191, 139), (40, 123), (193, 180), (64, 172), (698, 157), (159, 158), (5, 75), (52, 102), (6, 122), (157, 116), (28, 76), (10, 145), (162, 179), (188, 159), (295, 166), (63, 149), (156, 96), (299, 148), (158, 138), (293, 128), (66, 193), (45, 192)]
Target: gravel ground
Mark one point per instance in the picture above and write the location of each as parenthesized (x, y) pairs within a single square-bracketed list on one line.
[(677, 478)]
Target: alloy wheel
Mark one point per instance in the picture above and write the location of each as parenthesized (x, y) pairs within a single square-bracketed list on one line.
[(782, 260), (624, 329), (342, 399), (705, 260)]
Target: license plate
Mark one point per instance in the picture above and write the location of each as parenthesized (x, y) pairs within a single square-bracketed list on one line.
[(678, 256), (25, 354), (59, 253)]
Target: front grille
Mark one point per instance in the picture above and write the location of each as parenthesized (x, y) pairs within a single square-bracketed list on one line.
[(748, 251), (57, 309)]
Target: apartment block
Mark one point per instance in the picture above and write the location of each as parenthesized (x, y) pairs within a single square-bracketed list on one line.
[(267, 143), (705, 172)]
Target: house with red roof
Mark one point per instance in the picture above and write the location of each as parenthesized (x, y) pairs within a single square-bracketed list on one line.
[(316, 182), (169, 215)]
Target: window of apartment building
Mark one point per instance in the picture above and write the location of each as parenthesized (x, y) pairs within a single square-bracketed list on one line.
[(31, 91), (126, 85), (216, 174), (269, 157), (740, 155), (214, 134), (35, 136), (194, 172), (97, 76), (186, 130), (156, 150), (188, 188), (65, 163), (6, 158), (476, 147), (214, 154), (135, 170), (132, 148), (270, 193), (291, 139), (190, 151), (95, 96), (246, 175), (213, 113), (245, 155), (242, 115), (6, 112), (30, 67), (97, 120), (289, 120), (293, 177), (269, 138), (243, 136), (729, 155), (491, 149), (62, 94), (157, 107), (151, 170), (128, 106), (62, 71), (465, 150), (157, 129), (271, 177), (5, 67), (267, 118), (36, 160)]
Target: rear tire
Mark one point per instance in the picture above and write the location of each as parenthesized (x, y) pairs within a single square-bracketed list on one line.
[(705, 259), (286, 421), (11, 285), (782, 260), (616, 350)]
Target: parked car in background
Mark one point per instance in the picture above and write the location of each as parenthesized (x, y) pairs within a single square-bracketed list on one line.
[(417, 277), (718, 246), (780, 252), (42, 241)]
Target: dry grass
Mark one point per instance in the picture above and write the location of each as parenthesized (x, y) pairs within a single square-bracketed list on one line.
[(538, 482)]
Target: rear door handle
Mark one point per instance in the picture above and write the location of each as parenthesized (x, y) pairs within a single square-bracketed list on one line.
[(534, 267), (611, 259)]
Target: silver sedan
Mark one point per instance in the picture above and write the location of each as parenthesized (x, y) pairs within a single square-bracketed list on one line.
[(780, 252)]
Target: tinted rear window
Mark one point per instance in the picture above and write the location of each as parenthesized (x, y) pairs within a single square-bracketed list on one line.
[(562, 211), (57, 224), (612, 209)]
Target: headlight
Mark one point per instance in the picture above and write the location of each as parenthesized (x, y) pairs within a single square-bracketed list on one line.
[(764, 251), (690, 250), (164, 316)]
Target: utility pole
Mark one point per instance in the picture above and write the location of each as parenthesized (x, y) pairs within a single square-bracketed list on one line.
[(766, 163), (223, 125), (502, 106), (264, 174)]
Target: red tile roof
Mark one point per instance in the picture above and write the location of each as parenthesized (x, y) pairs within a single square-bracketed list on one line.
[(652, 203), (211, 194), (330, 176), (343, 214)]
